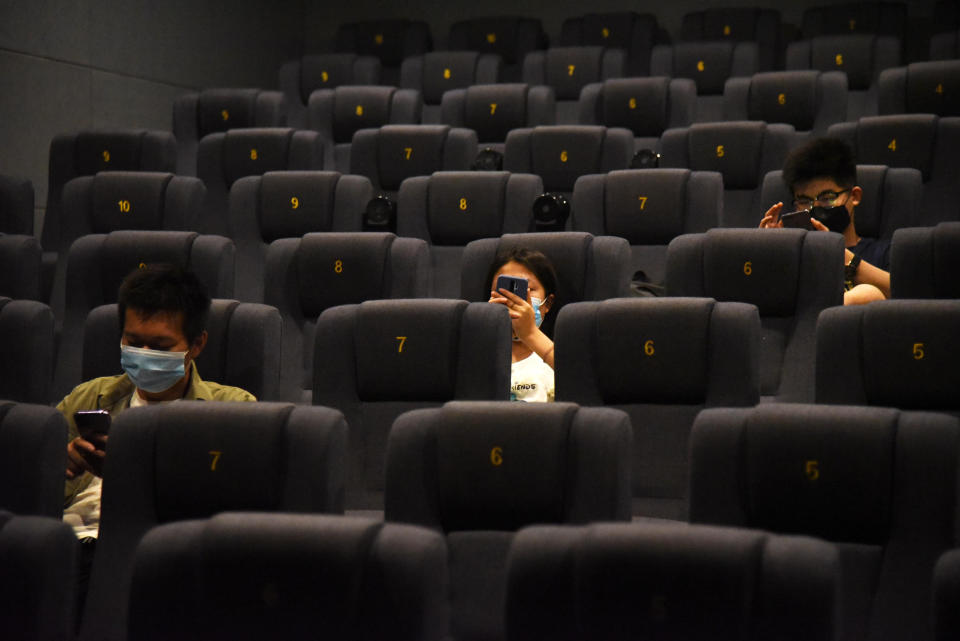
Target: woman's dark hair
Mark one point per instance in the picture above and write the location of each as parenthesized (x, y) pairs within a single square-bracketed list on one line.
[(533, 260), (164, 288), (820, 158)]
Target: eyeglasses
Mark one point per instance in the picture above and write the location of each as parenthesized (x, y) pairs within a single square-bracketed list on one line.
[(823, 199)]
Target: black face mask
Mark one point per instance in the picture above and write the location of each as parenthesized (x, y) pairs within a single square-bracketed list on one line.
[(834, 218)]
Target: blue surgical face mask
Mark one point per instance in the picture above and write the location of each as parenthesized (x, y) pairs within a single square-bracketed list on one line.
[(537, 315), (152, 370)]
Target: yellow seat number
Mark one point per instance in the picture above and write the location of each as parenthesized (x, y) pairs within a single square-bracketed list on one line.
[(338, 266), (839, 59), (446, 74), (378, 39), (939, 88), (491, 38), (400, 342), (782, 99), (253, 154), (493, 108), (141, 265), (124, 206), (359, 110), (407, 152), (893, 145), (721, 152), (225, 114), (324, 76), (215, 458), (563, 156), (570, 69), (463, 204), (496, 456), (605, 32), (294, 203), (748, 267), (643, 201), (700, 65), (633, 103), (918, 351), (726, 30), (106, 155), (812, 470), (648, 348)]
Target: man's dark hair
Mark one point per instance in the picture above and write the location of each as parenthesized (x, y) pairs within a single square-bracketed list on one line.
[(820, 158), (533, 260), (166, 288)]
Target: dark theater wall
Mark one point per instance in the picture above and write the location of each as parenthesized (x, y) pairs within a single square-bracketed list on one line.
[(88, 64)]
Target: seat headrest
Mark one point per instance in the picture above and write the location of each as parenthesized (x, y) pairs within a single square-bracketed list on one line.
[(325, 71), (569, 69), (709, 64), (342, 268), (851, 53), (734, 149), (905, 140), (825, 472), (446, 70), (784, 96), (485, 458), (253, 152), (356, 108), (934, 88), (409, 150), (465, 206), (561, 154), (493, 110), (756, 266), (646, 207), (910, 354), (735, 23), (217, 459), (641, 105), (616, 29), (124, 251), (223, 109), (294, 203), (107, 151), (657, 354), (128, 200), (408, 350), (383, 39)]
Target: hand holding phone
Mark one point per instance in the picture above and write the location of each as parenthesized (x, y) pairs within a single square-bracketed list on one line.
[(797, 220), (514, 285), (87, 453)]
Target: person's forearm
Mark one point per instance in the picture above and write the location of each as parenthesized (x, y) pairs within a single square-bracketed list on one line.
[(868, 274), (542, 345)]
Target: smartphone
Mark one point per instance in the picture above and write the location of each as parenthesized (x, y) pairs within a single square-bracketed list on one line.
[(513, 285), (92, 422), (797, 219)]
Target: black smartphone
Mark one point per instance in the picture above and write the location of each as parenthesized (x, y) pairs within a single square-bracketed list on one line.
[(797, 220), (514, 285), (92, 422)]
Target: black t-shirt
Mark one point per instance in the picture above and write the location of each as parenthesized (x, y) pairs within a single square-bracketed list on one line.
[(874, 251)]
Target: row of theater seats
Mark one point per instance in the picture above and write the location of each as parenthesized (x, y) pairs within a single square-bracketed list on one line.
[(385, 44), (771, 330), (311, 274), (742, 153), (486, 534)]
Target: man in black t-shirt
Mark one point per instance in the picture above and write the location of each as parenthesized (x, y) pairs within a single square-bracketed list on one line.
[(822, 177)]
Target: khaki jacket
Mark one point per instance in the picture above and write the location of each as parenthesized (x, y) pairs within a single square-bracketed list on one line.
[(113, 393)]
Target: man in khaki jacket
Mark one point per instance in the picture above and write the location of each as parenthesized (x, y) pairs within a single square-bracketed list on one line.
[(163, 312)]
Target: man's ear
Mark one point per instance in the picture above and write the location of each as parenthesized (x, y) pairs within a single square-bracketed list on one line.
[(856, 195), (198, 345)]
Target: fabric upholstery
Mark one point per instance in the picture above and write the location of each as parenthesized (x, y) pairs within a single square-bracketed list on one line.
[(195, 459), (923, 262), (27, 348)]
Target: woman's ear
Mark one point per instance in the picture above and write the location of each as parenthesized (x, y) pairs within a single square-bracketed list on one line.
[(547, 304)]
